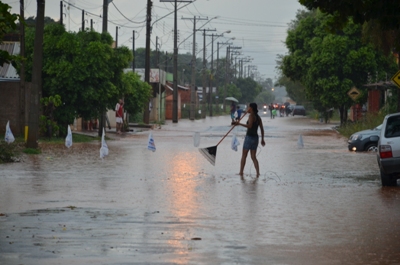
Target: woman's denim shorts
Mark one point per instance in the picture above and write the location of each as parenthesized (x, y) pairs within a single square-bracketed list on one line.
[(250, 142)]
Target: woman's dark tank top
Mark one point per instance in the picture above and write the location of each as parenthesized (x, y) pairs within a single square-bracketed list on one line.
[(253, 130)]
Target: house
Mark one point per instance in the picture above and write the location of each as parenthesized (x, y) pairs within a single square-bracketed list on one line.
[(12, 100)]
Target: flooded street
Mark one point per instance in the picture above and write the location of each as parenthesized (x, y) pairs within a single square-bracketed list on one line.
[(319, 204)]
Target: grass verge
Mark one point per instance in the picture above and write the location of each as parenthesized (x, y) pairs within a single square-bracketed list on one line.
[(370, 121)]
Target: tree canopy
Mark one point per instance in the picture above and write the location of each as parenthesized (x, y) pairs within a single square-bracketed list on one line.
[(8, 23), (85, 71), (327, 64), (249, 89), (386, 12)]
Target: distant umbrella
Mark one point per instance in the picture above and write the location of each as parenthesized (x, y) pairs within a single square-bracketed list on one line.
[(232, 99)]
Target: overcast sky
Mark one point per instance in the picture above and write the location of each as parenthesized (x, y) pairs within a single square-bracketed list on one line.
[(258, 26)]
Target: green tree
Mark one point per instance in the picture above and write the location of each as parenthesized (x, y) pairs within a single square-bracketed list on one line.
[(382, 15), (231, 91), (248, 88), (385, 12), (136, 93), (294, 89), (327, 64), (265, 97), (8, 23), (83, 69)]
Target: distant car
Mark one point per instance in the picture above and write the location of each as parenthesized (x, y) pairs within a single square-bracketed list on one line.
[(388, 154), (243, 107), (366, 140), (299, 110)]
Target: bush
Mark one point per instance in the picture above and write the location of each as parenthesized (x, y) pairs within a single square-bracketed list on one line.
[(370, 121), (8, 152)]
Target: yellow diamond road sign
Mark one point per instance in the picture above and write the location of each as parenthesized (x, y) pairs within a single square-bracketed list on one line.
[(396, 78), (354, 93)]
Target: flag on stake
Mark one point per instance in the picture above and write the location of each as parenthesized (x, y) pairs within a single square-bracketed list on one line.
[(196, 139), (104, 147), (300, 142), (151, 145), (68, 139), (235, 143), (9, 138)]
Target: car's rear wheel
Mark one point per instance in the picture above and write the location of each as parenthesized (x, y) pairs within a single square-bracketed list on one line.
[(387, 180), (371, 148)]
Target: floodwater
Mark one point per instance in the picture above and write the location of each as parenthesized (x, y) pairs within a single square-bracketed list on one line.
[(319, 204)]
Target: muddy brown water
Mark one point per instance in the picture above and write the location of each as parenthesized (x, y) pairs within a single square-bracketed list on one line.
[(319, 204)]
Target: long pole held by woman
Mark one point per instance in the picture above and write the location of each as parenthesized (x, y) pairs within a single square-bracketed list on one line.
[(252, 138)]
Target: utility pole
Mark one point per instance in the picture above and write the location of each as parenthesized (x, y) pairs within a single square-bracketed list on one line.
[(133, 51), (83, 20), (211, 74), (61, 11), (212, 70), (105, 15), (116, 36), (226, 75), (193, 83), (175, 72), (36, 89), (24, 95), (228, 59), (159, 79), (226, 68), (204, 100), (104, 29), (146, 113)]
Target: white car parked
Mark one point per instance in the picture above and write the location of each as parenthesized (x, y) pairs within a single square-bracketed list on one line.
[(388, 154)]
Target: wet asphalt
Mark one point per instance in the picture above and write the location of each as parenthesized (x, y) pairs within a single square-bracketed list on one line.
[(319, 204)]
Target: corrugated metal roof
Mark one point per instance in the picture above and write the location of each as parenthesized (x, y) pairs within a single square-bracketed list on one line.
[(7, 71)]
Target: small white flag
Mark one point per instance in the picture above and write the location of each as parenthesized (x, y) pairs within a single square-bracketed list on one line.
[(68, 139), (151, 145), (235, 143), (9, 138), (104, 146), (196, 139), (300, 143)]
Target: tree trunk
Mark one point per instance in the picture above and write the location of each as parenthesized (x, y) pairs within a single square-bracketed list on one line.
[(36, 90), (342, 115)]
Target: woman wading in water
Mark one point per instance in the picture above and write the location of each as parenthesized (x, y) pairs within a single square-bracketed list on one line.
[(251, 140)]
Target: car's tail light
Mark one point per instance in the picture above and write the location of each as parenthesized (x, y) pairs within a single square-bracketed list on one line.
[(385, 151)]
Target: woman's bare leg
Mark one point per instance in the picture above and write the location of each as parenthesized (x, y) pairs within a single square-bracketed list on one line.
[(255, 161), (243, 161)]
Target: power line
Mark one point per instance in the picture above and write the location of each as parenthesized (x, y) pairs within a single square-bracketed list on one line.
[(126, 17), (87, 12)]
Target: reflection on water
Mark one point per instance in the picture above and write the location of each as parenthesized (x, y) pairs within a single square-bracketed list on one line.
[(184, 201)]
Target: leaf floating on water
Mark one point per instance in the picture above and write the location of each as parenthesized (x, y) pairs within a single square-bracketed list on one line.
[(196, 238), (2, 214)]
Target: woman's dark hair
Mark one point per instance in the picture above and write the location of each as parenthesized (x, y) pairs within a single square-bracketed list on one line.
[(254, 107)]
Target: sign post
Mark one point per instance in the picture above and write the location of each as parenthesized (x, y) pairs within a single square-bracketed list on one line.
[(396, 78), (354, 93)]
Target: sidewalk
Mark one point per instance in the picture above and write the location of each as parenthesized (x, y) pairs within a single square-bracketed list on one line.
[(112, 133)]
